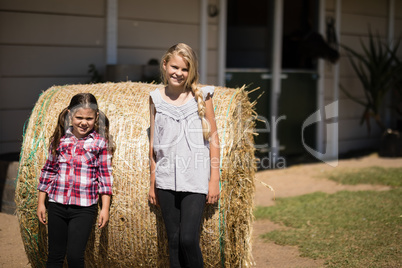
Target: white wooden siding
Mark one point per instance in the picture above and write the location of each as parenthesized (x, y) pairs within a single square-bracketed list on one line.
[(44, 43), (357, 144), (23, 61), (18, 85), (357, 18), (372, 8), (50, 29), (359, 25), (75, 7), (138, 56), (147, 30), (47, 42), (357, 131), (180, 11), (146, 34)]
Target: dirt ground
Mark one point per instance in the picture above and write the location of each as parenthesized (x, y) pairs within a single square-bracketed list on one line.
[(293, 181)]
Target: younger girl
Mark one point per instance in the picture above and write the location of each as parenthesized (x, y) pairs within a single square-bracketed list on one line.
[(184, 154), (78, 168)]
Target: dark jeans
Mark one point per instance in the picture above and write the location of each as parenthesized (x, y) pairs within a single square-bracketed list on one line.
[(69, 228), (182, 214)]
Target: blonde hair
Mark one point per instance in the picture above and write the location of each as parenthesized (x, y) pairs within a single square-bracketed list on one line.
[(189, 56)]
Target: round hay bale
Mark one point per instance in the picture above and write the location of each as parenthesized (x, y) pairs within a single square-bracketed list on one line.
[(135, 235)]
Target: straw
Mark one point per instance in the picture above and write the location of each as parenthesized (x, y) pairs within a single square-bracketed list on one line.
[(135, 235)]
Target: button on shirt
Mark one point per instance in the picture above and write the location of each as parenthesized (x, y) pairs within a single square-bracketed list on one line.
[(80, 171), (181, 153)]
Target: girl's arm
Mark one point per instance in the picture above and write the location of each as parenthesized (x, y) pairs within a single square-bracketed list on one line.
[(48, 173), (213, 187), (41, 211), (104, 171), (152, 197), (105, 182), (104, 213)]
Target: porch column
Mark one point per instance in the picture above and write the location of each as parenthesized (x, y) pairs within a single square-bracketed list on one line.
[(222, 42), (276, 77), (334, 136), (203, 40), (320, 81), (111, 31)]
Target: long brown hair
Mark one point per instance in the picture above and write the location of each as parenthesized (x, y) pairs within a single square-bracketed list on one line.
[(190, 57), (81, 100)]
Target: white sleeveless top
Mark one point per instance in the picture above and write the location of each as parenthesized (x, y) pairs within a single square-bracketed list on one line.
[(182, 154)]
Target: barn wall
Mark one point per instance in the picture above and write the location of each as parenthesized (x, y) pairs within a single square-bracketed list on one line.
[(147, 30), (357, 17), (43, 43), (49, 42), (52, 42)]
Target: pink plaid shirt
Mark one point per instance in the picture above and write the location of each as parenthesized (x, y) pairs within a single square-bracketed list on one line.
[(81, 170)]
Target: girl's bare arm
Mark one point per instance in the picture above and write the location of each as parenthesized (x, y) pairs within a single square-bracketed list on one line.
[(41, 211), (152, 197), (213, 187), (104, 213)]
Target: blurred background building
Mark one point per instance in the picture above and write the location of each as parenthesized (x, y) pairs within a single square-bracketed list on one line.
[(288, 48)]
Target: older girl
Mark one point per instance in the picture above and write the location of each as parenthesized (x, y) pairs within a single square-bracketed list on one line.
[(184, 153)]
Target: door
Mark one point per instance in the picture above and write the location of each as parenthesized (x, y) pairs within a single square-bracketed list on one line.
[(249, 61)]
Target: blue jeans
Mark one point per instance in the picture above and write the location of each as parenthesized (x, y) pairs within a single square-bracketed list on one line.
[(182, 214), (69, 228)]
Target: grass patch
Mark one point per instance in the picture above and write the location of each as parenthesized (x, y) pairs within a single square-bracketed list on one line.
[(372, 175), (348, 229)]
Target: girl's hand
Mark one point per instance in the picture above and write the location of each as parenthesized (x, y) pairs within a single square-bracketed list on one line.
[(41, 213), (214, 153), (213, 191), (103, 217), (152, 197), (104, 214)]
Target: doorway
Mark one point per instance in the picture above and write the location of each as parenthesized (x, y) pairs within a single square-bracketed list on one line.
[(249, 61)]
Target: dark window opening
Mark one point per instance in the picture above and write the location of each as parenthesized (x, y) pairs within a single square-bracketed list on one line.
[(250, 31), (300, 25)]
